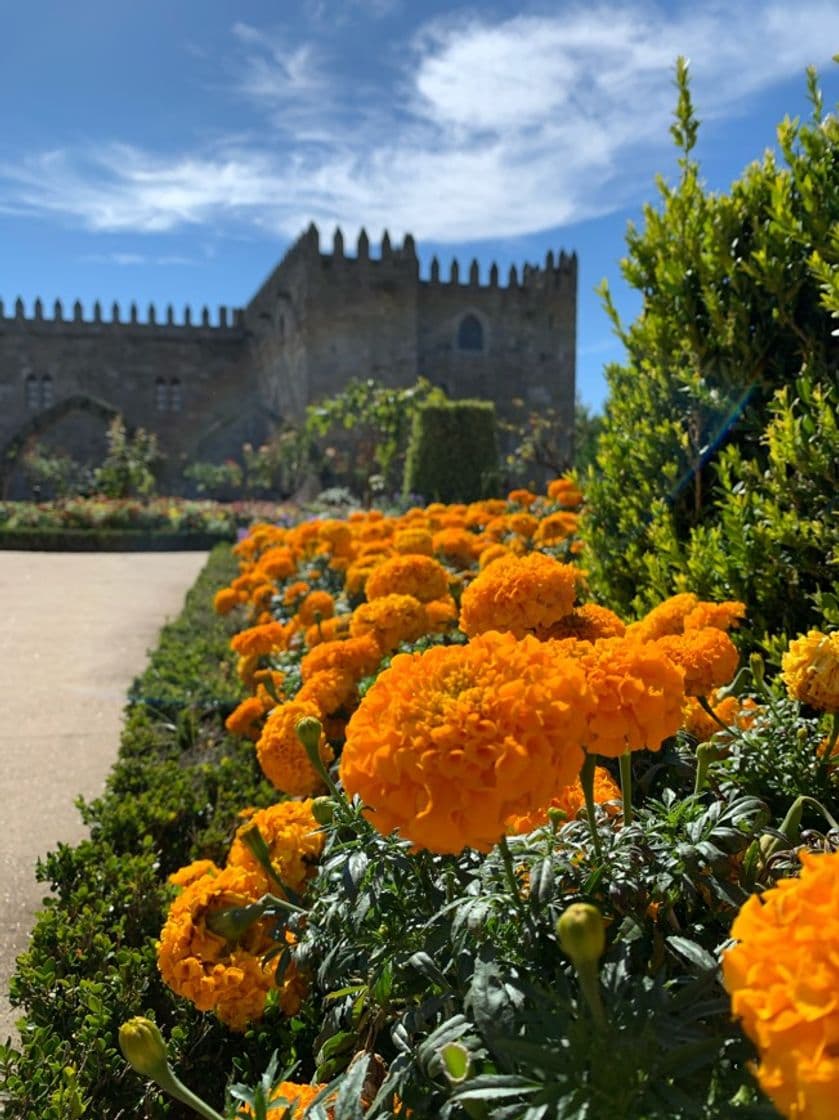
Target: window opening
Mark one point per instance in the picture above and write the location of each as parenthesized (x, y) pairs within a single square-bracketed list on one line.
[(175, 397), (470, 335), (160, 395)]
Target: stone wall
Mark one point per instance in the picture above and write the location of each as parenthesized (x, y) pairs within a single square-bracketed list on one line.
[(190, 385), (319, 319)]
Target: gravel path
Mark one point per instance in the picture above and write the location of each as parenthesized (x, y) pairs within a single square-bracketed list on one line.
[(75, 631)]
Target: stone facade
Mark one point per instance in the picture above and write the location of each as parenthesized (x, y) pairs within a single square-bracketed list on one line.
[(319, 319)]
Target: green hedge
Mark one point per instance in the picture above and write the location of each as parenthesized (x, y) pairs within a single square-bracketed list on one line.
[(107, 540), (173, 796), (453, 452)]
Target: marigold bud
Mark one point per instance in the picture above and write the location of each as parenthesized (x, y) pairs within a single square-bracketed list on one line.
[(143, 1047), (758, 668), (323, 810), (309, 730), (581, 933)]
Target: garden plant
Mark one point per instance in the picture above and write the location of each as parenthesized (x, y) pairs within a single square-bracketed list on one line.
[(516, 862)]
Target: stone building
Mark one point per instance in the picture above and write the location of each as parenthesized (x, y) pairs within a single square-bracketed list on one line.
[(319, 319)]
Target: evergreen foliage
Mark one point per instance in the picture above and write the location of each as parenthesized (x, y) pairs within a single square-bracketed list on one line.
[(453, 452), (720, 428)]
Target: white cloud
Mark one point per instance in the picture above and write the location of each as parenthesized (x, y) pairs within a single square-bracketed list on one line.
[(123, 259), (494, 128)]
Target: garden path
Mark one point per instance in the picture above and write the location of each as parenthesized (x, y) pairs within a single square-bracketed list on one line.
[(76, 629)]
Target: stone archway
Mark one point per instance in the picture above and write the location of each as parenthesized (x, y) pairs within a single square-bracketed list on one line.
[(41, 423)]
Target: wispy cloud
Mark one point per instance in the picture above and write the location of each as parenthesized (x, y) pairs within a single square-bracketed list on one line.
[(492, 127), (126, 259)]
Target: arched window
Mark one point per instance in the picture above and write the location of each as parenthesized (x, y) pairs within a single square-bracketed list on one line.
[(470, 333), (33, 398), (47, 395), (175, 397), (161, 396)]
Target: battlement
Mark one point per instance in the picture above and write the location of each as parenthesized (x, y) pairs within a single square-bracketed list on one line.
[(228, 321), (555, 272), (399, 264)]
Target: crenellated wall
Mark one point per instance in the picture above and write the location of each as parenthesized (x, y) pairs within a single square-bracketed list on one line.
[(185, 381), (320, 318)]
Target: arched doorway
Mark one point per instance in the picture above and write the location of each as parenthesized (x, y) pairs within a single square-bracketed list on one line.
[(76, 425)]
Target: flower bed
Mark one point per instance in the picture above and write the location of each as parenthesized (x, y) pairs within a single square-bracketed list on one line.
[(111, 524), (510, 840)]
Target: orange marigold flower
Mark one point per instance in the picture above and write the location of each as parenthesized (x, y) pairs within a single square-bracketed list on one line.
[(195, 870), (708, 657), (357, 574), (329, 630), (440, 615), (391, 619), (245, 718), (698, 723), (564, 492), (783, 979), (555, 527), (414, 540), (261, 595), (277, 563), (570, 800), (481, 513), (330, 689), (316, 603), (258, 640), (296, 1097), (294, 592), (227, 977), (637, 695), (420, 576), (357, 657), (522, 497), (281, 754), (723, 616), (225, 600), (524, 524), (492, 553), (730, 710), (448, 744), (520, 594), (336, 535), (294, 841), (811, 670), (667, 618), (588, 623), (457, 546)]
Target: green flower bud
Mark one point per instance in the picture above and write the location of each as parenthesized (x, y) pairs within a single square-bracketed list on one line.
[(758, 668), (309, 730), (457, 1062), (581, 933), (143, 1047), (323, 810)]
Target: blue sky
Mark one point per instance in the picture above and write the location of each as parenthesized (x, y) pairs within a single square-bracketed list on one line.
[(169, 151)]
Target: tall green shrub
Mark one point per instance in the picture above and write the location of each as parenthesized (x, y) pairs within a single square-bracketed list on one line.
[(736, 307), (453, 452)]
